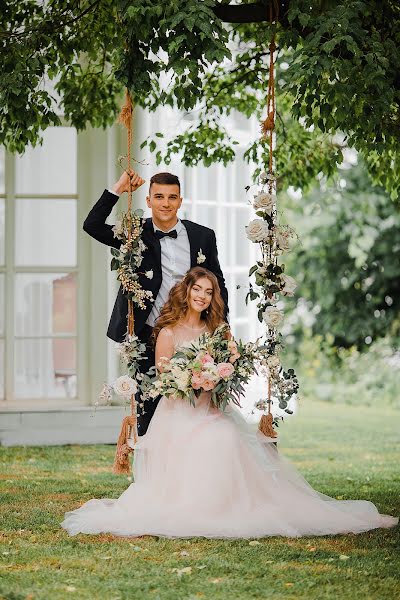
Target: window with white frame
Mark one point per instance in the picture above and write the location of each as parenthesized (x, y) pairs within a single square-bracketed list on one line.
[(38, 262), (216, 197)]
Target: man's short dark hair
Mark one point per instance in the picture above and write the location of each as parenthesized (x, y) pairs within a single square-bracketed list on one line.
[(165, 179)]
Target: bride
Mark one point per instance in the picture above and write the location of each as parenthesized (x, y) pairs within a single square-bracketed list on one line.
[(203, 472)]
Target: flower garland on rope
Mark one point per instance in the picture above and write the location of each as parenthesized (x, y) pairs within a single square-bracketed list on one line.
[(270, 279), (126, 261)]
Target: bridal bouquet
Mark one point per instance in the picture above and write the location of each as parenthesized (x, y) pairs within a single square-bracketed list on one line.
[(212, 363)]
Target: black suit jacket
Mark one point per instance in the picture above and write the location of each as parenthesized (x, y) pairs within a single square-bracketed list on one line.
[(200, 237)]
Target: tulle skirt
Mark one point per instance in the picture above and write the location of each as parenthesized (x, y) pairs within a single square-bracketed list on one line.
[(202, 472)]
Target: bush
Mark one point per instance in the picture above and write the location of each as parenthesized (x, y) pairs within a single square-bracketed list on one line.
[(347, 375)]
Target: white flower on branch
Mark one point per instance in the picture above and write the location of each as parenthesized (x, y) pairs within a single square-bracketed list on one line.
[(289, 285), (149, 274), (257, 230), (265, 202), (125, 386), (272, 316), (201, 257)]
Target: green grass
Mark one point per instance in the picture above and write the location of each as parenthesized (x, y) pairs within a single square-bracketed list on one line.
[(342, 451)]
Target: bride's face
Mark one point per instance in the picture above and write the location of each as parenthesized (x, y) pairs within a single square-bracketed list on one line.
[(200, 295)]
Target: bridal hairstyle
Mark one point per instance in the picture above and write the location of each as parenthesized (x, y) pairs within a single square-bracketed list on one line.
[(178, 303)]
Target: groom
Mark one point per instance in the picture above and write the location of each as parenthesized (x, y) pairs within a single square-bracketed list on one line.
[(173, 246)]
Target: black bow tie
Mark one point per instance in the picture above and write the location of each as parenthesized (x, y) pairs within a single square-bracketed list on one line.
[(160, 234)]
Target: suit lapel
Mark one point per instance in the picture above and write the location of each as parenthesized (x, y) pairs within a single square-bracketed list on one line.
[(152, 242), (193, 242)]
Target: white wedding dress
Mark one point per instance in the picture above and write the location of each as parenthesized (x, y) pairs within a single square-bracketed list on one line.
[(202, 472)]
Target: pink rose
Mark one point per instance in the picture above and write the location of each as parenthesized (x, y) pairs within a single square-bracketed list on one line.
[(206, 358), (197, 380), (208, 384), (234, 357), (232, 347), (225, 370)]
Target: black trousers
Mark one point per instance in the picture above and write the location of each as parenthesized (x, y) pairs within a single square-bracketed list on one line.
[(146, 411)]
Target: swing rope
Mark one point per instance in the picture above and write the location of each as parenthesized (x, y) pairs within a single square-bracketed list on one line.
[(267, 130), (129, 423)]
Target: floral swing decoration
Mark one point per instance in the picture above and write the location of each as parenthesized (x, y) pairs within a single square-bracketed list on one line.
[(231, 363)]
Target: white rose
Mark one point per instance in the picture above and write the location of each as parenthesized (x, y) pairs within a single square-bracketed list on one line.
[(125, 386), (257, 230), (282, 239), (153, 393), (272, 316), (212, 371), (182, 380), (264, 202), (289, 285)]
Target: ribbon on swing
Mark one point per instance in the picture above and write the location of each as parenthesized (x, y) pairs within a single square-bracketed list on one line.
[(128, 435)]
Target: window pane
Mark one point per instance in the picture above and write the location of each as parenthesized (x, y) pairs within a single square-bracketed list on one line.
[(2, 369), (241, 331), (2, 170), (45, 304), (50, 168), (2, 303), (2, 229), (207, 215), (45, 232), (203, 184), (241, 310), (242, 179), (242, 244), (45, 368)]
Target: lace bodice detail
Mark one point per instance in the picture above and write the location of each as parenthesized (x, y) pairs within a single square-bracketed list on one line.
[(182, 335)]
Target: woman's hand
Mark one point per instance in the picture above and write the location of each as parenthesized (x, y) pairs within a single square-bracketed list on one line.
[(122, 184)]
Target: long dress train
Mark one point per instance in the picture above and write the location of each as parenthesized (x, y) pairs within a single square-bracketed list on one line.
[(202, 472)]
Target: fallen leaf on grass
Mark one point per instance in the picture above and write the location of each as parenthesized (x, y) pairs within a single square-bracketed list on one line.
[(184, 553), (254, 543), (313, 549), (216, 580), (344, 557), (201, 567), (71, 588), (289, 584), (105, 557)]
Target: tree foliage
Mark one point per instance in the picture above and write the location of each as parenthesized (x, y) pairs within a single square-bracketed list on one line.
[(338, 71), (348, 261)]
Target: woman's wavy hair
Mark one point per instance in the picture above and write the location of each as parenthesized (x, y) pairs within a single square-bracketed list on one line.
[(178, 303)]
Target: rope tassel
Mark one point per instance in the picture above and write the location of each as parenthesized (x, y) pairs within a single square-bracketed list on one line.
[(121, 462), (265, 426)]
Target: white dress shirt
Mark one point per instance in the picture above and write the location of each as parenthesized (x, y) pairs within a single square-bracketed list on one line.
[(175, 262)]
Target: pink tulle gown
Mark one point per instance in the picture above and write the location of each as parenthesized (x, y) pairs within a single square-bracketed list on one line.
[(202, 472)]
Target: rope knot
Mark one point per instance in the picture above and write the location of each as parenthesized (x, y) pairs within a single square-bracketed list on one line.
[(268, 124)]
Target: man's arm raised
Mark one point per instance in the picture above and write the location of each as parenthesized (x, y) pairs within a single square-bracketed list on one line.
[(95, 223)]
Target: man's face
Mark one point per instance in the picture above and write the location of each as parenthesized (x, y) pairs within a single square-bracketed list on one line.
[(164, 201)]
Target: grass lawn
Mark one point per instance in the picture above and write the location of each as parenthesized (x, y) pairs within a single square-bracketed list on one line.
[(343, 451)]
